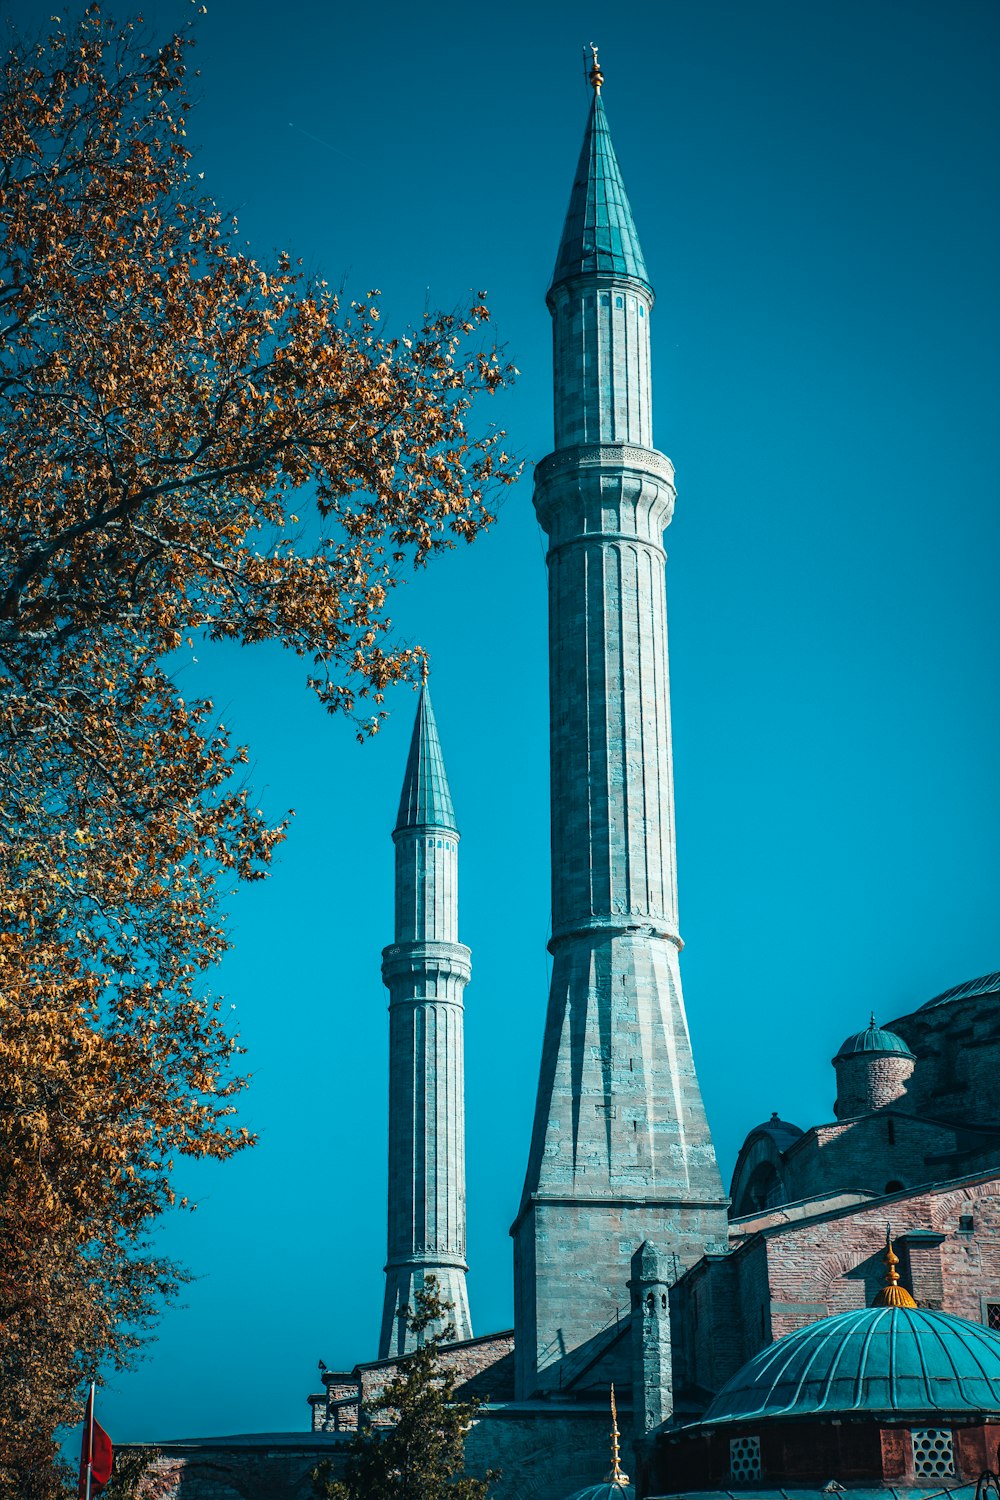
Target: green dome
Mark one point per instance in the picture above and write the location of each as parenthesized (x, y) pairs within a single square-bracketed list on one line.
[(874, 1040), (987, 984), (608, 1489), (894, 1360)]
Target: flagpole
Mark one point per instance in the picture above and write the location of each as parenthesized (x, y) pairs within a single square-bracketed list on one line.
[(90, 1440)]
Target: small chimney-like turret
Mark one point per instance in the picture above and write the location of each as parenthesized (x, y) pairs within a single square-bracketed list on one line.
[(873, 1068)]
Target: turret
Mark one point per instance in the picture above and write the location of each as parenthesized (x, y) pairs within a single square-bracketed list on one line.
[(426, 970), (652, 1370), (873, 1067)]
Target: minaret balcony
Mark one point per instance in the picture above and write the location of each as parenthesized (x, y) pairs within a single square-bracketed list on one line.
[(428, 960), (608, 491)]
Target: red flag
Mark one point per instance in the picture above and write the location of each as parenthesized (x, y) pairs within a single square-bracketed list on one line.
[(95, 1453)]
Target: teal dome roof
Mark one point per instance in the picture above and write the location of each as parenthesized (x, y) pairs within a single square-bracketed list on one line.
[(609, 1489), (987, 984), (874, 1039), (893, 1360)]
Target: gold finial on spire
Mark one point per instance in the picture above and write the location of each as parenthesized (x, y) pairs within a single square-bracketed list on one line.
[(892, 1294), (596, 76), (615, 1474)]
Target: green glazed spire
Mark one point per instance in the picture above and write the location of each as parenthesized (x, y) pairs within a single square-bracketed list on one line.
[(426, 799), (599, 233)]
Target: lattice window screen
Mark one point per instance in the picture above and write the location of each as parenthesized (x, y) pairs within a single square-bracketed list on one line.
[(993, 1315), (744, 1458), (933, 1452)]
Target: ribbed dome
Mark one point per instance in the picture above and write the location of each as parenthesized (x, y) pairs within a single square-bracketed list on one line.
[(987, 984), (879, 1359), (874, 1039), (608, 1489)]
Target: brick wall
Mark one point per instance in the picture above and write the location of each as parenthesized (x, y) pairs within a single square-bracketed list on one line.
[(958, 1054), (866, 1153), (866, 1082), (789, 1274)]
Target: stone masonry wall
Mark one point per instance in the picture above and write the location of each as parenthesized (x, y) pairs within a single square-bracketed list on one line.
[(866, 1153), (725, 1309), (958, 1056), (540, 1453), (485, 1368)]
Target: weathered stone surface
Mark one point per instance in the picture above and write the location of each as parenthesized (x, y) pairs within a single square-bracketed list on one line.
[(652, 1354), (620, 1149), (866, 1082), (426, 970)]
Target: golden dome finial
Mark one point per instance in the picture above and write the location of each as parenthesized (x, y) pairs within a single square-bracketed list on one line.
[(615, 1474), (596, 76), (892, 1294)]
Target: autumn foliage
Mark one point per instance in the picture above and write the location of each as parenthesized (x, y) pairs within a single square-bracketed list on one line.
[(165, 402)]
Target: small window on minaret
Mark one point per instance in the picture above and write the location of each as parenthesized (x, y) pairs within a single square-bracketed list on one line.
[(619, 302), (642, 311)]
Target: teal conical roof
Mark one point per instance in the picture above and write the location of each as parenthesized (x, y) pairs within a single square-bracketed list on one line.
[(599, 233), (426, 800)]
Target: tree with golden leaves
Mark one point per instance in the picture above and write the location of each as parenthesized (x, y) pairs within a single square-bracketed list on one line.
[(165, 402)]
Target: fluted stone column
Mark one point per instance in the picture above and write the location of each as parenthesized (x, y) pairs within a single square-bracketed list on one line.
[(426, 970), (620, 1149)]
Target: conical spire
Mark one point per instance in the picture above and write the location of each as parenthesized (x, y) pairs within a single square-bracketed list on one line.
[(426, 800), (599, 233)]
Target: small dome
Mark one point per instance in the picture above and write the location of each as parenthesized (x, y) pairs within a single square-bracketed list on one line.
[(874, 1040), (608, 1489), (878, 1359), (782, 1132)]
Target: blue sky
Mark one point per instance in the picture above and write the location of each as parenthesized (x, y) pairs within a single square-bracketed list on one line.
[(816, 188)]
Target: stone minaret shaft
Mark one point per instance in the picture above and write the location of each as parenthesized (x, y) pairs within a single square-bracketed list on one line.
[(620, 1150), (426, 970)]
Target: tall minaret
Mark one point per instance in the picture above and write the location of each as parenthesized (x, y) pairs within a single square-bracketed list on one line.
[(426, 970), (620, 1149)]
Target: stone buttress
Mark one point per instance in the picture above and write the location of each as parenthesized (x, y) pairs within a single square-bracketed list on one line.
[(426, 970), (620, 1149)]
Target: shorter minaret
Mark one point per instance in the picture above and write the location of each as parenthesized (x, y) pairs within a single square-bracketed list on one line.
[(426, 970)]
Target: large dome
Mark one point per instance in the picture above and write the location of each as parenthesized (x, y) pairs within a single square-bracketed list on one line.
[(987, 984), (609, 1490), (878, 1359)]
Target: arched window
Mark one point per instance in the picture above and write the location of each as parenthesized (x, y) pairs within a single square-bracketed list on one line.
[(764, 1190)]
